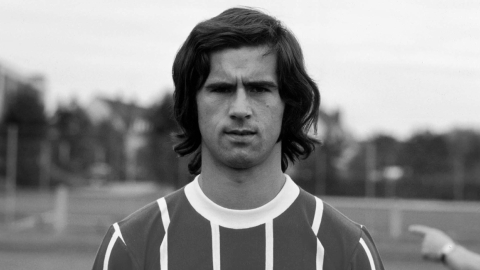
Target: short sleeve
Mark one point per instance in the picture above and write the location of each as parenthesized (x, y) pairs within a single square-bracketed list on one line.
[(366, 255), (113, 253)]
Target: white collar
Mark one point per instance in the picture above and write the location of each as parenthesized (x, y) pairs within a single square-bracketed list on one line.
[(241, 219)]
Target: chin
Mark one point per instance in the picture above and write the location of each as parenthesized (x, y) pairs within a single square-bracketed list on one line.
[(240, 163)]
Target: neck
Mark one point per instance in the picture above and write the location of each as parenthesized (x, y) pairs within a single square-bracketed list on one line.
[(241, 189)]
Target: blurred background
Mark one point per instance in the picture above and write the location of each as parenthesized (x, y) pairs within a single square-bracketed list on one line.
[(86, 121)]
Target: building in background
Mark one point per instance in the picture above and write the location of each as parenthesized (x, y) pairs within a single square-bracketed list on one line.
[(121, 149)]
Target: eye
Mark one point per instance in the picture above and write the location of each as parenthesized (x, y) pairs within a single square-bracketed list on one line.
[(259, 89), (221, 90)]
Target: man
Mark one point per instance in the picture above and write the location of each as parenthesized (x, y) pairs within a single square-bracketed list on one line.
[(439, 247), (245, 104)]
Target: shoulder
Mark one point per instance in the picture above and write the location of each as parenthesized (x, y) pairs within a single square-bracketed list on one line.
[(144, 221), (144, 229), (133, 242), (333, 221), (347, 242)]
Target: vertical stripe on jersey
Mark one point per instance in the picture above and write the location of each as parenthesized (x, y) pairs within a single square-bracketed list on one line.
[(295, 245), (114, 238), (269, 245), (316, 227), (189, 236), (215, 246), (369, 254), (317, 219), (162, 204)]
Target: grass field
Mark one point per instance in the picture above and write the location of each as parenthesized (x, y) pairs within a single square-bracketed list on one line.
[(32, 242)]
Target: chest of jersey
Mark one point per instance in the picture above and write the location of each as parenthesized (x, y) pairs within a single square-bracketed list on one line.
[(285, 242), (185, 230)]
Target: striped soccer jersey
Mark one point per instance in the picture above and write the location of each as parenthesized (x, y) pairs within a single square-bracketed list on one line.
[(186, 230)]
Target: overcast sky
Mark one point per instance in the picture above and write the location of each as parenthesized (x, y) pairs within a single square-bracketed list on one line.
[(389, 66)]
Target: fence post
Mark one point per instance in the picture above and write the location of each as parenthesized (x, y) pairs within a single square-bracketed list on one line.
[(60, 220), (396, 221)]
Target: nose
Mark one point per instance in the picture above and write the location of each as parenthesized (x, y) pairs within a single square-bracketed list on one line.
[(240, 105)]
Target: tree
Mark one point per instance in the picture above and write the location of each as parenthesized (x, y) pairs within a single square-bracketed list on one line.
[(73, 147), (464, 149), (162, 160), (25, 110), (427, 158)]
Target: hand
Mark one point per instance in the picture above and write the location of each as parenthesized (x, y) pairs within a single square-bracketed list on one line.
[(434, 241)]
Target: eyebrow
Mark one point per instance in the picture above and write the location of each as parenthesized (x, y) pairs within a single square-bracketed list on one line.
[(268, 84), (261, 83), (215, 85)]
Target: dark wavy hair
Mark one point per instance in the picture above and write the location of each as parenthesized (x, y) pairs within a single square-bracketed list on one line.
[(235, 28)]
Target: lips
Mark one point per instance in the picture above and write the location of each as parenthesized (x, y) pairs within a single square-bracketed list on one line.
[(240, 132)]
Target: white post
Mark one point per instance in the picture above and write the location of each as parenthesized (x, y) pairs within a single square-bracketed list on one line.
[(396, 221), (61, 209), (11, 171)]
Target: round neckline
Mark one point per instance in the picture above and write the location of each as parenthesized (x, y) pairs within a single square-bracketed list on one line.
[(241, 219)]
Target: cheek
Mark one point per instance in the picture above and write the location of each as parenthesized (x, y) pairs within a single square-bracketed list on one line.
[(279, 120), (207, 106), (274, 114), (203, 120), (208, 116), (202, 117), (277, 111)]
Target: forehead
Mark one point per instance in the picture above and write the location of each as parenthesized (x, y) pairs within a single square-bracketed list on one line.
[(250, 62), (261, 50)]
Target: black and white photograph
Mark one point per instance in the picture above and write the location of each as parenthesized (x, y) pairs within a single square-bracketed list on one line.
[(239, 135)]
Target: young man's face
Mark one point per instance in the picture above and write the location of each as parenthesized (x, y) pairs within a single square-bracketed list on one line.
[(240, 110)]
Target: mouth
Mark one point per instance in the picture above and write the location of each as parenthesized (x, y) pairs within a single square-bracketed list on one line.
[(240, 132)]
